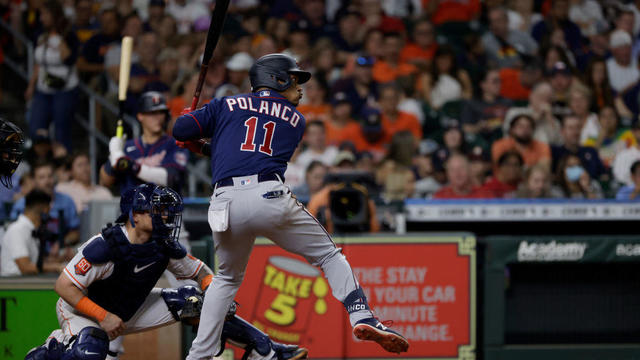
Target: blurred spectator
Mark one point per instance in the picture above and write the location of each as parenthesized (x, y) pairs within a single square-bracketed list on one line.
[(167, 32), (372, 40), (146, 69), (62, 172), (625, 158), (453, 141), (186, 13), (156, 14), (575, 181), (52, 88), (484, 114), (423, 45), (622, 67), (313, 180), (350, 33), (393, 120), (394, 173), (459, 181), (587, 155), (453, 10), (341, 127), (324, 61), (504, 46), (84, 24), (445, 82), (552, 55), (299, 40), (375, 17), (597, 80), (277, 30), (359, 89), (80, 188), (520, 138), (132, 27), (522, 16), (480, 163), (316, 148), (372, 137), (314, 104), (238, 71), (547, 125), (630, 192), (426, 183), (63, 218), (516, 84), (558, 19), (390, 67), (320, 203), (91, 60), (611, 139), (537, 184), (30, 20), (167, 72), (508, 175), (579, 97), (561, 80), (21, 249), (587, 14), (184, 94)]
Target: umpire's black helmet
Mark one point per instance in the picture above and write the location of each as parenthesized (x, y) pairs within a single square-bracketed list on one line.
[(272, 71), (152, 101)]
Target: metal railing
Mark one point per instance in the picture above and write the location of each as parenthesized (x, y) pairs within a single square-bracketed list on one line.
[(194, 174)]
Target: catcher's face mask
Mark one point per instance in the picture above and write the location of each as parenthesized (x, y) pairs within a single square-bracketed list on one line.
[(166, 214)]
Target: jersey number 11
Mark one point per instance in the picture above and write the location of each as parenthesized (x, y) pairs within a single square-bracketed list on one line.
[(249, 139)]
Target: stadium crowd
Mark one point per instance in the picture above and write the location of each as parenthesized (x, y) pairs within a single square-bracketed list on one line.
[(434, 98)]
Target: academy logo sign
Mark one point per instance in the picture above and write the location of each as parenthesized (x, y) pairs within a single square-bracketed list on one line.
[(628, 250), (551, 251)]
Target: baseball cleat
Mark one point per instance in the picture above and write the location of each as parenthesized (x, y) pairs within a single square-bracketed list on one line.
[(372, 329), (289, 352)]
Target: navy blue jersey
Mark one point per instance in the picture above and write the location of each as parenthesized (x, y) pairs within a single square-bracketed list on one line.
[(164, 153), (250, 133)]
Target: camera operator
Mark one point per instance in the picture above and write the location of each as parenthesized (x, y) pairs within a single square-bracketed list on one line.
[(22, 247)]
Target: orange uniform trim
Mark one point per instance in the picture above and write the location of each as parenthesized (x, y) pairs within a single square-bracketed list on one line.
[(89, 308)]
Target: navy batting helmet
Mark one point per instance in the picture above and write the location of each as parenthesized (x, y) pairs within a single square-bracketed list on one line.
[(273, 70), (11, 151), (151, 101)]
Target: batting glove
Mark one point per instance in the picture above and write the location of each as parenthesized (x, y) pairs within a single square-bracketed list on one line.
[(116, 149)]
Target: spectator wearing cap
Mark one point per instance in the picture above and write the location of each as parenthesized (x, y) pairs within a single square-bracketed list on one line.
[(360, 89), (622, 67), (504, 47), (558, 19), (561, 81), (423, 45), (507, 177), (79, 188), (520, 138), (314, 105), (625, 158), (167, 72), (238, 71), (611, 139), (394, 120), (459, 182), (631, 192), (372, 137), (484, 114), (91, 59), (424, 172), (316, 146), (394, 173), (390, 67), (480, 162), (446, 82), (571, 145), (547, 125), (186, 13), (341, 127)]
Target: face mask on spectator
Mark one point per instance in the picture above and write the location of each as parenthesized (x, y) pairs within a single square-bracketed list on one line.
[(574, 172)]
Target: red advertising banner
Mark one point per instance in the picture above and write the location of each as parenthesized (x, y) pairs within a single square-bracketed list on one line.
[(425, 285)]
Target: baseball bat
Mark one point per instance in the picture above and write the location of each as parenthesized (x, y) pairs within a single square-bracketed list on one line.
[(215, 29), (123, 81)]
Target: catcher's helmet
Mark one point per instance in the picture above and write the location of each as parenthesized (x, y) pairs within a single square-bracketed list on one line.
[(11, 150), (272, 71), (165, 207)]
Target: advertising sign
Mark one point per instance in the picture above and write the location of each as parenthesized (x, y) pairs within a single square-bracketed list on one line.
[(425, 285)]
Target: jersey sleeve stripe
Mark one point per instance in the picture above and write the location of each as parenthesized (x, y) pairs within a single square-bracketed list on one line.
[(197, 122), (194, 273), (75, 281)]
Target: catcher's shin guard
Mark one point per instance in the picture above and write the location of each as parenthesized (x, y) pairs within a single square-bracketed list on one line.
[(240, 333)]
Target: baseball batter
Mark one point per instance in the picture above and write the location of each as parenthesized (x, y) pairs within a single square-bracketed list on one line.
[(252, 138), (107, 289), (153, 157)]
